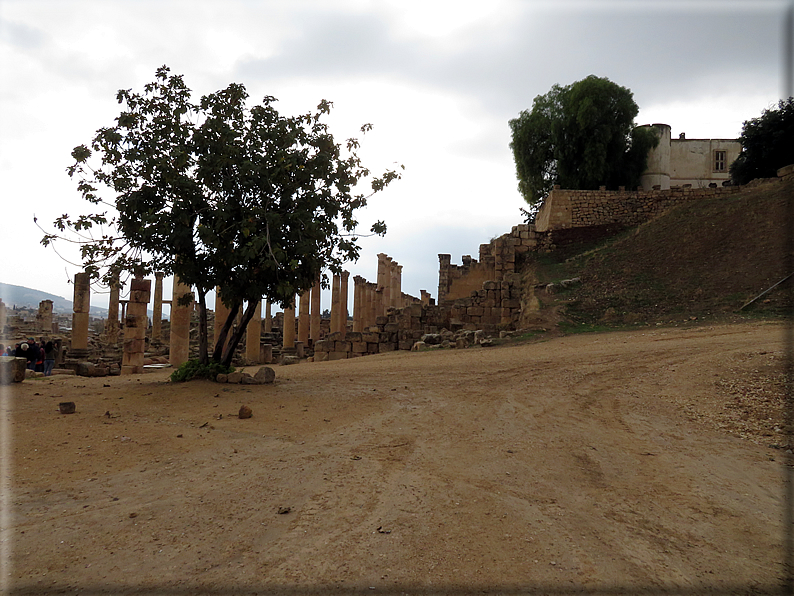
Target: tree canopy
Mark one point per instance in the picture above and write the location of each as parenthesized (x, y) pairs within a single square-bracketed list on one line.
[(221, 195), (580, 136), (767, 144)]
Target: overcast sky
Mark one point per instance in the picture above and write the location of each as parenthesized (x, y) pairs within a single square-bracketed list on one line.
[(438, 80)]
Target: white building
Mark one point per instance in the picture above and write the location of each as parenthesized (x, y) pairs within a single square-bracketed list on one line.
[(695, 162)]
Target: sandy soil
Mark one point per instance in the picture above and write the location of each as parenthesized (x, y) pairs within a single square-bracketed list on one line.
[(610, 463)]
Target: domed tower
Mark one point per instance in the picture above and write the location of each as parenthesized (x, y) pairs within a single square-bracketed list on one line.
[(658, 170)]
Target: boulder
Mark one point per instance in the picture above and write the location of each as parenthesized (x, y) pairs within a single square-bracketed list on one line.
[(89, 369), (245, 412), (234, 377), (265, 375), (12, 370), (222, 378), (248, 380), (432, 339)]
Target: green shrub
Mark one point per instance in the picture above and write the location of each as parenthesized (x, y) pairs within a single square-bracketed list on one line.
[(193, 369)]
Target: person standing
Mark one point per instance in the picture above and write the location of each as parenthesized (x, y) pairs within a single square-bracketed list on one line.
[(49, 358)]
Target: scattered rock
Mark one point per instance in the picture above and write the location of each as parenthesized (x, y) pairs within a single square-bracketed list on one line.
[(221, 378), (245, 412), (265, 375), (432, 339), (66, 407), (234, 377), (247, 379), (487, 342), (285, 360), (418, 346), (284, 510), (479, 335)]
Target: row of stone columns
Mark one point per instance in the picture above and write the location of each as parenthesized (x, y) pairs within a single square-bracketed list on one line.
[(370, 300), (390, 283)]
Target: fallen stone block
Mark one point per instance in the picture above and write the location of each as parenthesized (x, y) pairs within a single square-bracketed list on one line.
[(265, 375), (69, 371), (234, 377), (12, 370)]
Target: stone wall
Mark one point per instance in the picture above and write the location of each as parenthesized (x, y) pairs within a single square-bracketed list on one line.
[(564, 209), (398, 330)]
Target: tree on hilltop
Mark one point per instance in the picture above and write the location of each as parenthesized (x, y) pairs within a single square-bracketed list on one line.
[(580, 136), (220, 195), (767, 144)]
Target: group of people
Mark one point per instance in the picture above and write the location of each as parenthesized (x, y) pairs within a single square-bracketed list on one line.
[(40, 356)]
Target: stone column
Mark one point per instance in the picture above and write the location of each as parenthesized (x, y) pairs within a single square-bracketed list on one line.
[(135, 327), (112, 323), (289, 327), (383, 283), (335, 287), (371, 305), (394, 285), (44, 317), (399, 277), (314, 327), (379, 300), (253, 336), (221, 314), (157, 308), (179, 342), (3, 317), (444, 261), (343, 304), (358, 322), (303, 318), (81, 306), (268, 318)]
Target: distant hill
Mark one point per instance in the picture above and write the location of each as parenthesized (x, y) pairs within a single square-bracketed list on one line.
[(22, 296)]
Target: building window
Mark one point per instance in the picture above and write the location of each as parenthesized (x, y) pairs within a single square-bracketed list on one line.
[(719, 161)]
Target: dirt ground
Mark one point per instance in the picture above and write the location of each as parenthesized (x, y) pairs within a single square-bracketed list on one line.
[(612, 463)]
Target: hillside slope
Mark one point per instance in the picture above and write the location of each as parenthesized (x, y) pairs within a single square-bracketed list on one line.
[(704, 259)]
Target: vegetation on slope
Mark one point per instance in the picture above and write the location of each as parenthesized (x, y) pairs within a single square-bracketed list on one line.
[(707, 258)]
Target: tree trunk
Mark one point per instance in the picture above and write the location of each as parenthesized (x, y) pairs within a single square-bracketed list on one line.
[(204, 357), (248, 314), (218, 352)]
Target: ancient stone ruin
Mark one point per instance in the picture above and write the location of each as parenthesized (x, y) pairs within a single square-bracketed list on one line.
[(480, 298)]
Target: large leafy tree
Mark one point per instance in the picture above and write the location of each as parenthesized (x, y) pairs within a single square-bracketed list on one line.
[(581, 136), (221, 195), (767, 144)]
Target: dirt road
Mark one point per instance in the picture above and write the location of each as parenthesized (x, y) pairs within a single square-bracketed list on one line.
[(615, 462)]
